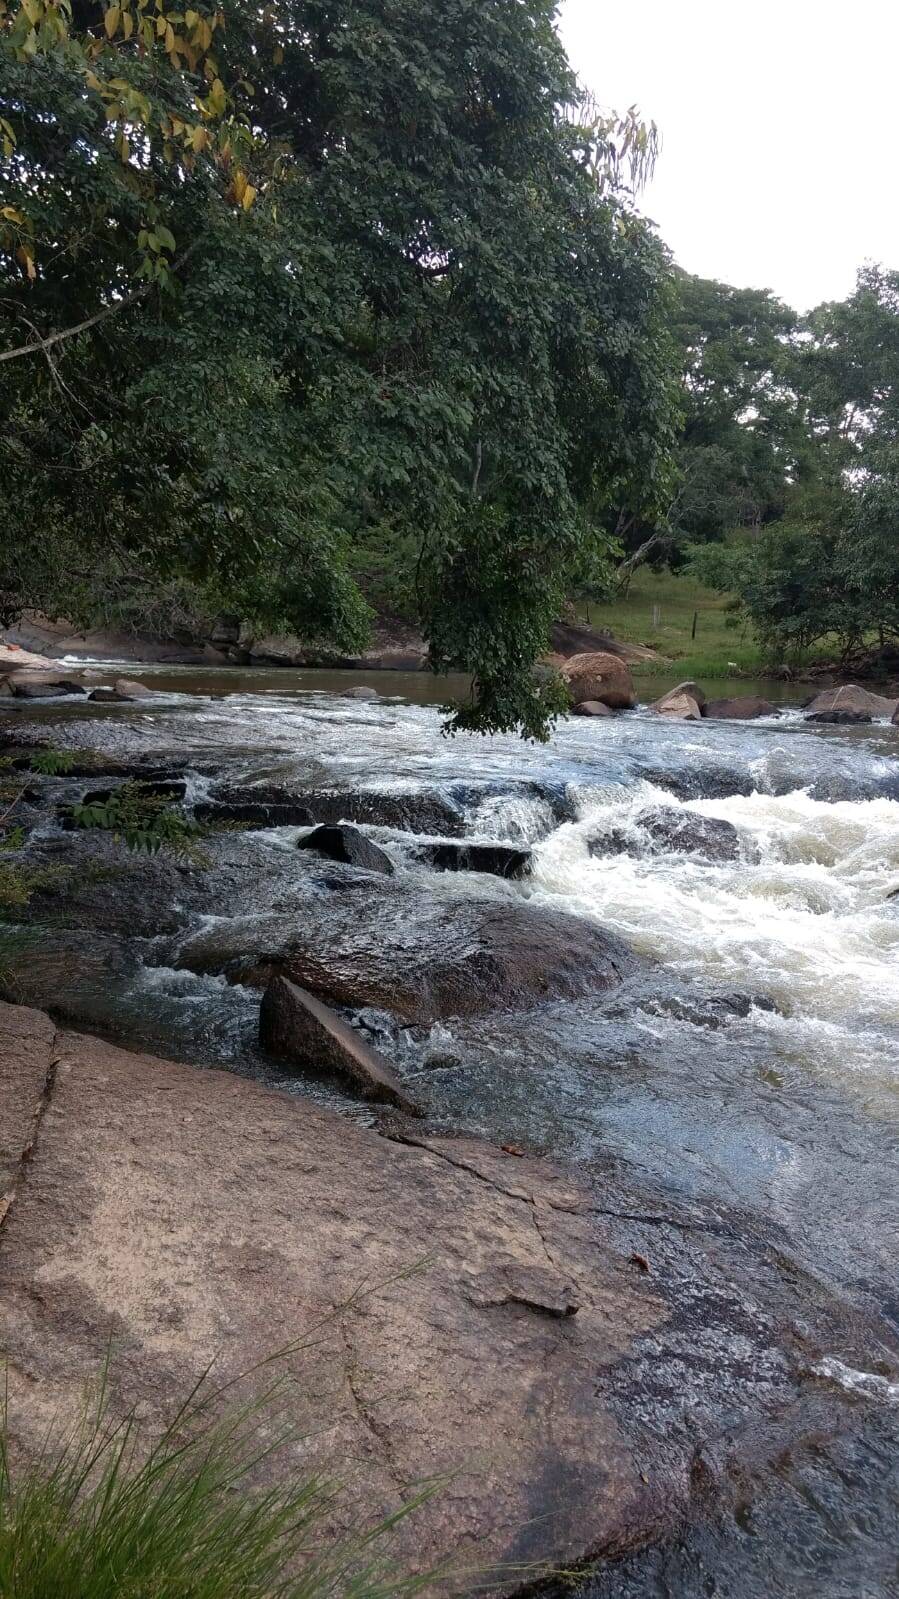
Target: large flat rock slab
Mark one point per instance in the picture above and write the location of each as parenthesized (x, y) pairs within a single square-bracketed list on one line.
[(27, 1053), (558, 1356)]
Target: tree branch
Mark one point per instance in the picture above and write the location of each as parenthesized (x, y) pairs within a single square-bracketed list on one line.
[(41, 346)]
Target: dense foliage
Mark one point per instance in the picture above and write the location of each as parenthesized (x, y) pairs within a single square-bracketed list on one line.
[(282, 286), (742, 437), (827, 568)]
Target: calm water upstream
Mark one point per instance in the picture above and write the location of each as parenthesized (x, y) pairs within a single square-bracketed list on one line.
[(754, 1064)]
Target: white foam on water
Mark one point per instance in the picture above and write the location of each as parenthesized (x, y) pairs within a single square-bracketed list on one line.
[(803, 917)]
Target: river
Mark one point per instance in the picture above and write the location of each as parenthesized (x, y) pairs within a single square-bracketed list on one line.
[(752, 1063)]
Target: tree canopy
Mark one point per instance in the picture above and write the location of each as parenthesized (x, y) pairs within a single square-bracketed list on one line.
[(283, 284), (827, 567)]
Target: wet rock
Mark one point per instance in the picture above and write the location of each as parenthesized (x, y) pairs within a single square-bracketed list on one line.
[(259, 804), (427, 963), (840, 716), (600, 676), (849, 703), (895, 716), (668, 830), (415, 811), (130, 689), (594, 1392), (502, 860), (168, 788), (298, 1028), (271, 805), (684, 703), (108, 696), (741, 709), (591, 708), (347, 844), (42, 685), (361, 693)]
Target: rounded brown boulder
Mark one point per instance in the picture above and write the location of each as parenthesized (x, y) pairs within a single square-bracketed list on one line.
[(600, 676), (851, 699)]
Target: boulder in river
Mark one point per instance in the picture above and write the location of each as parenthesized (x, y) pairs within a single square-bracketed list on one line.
[(409, 811), (361, 693), (426, 962), (683, 704), (850, 698), (342, 843), (591, 708), (600, 676), (671, 831), (130, 689), (42, 685), (502, 860), (744, 708), (259, 804), (297, 1027), (841, 716)]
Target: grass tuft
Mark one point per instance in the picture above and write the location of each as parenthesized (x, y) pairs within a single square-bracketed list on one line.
[(99, 1514)]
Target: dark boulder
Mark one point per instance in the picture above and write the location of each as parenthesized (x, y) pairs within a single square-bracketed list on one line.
[(259, 804), (415, 811), (298, 1028), (347, 844), (167, 788), (42, 686), (431, 962), (502, 860), (743, 709), (840, 717), (668, 831)]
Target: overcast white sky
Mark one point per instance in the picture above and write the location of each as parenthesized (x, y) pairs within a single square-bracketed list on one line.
[(779, 126)]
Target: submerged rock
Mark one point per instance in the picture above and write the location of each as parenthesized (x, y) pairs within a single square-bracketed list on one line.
[(840, 716), (297, 1027), (741, 709), (347, 844), (591, 708), (42, 685), (259, 804), (502, 860), (665, 830), (412, 811)]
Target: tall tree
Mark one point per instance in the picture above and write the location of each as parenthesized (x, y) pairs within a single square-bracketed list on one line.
[(828, 568), (742, 436), (282, 282)]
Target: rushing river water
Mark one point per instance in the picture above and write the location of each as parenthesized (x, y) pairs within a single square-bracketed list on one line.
[(753, 1063)]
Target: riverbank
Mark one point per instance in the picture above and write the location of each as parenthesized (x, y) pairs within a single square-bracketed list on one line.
[(462, 1313)]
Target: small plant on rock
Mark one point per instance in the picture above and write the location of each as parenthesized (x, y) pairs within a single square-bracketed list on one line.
[(143, 820)]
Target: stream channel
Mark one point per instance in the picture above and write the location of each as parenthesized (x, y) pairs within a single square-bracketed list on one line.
[(748, 1061)]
